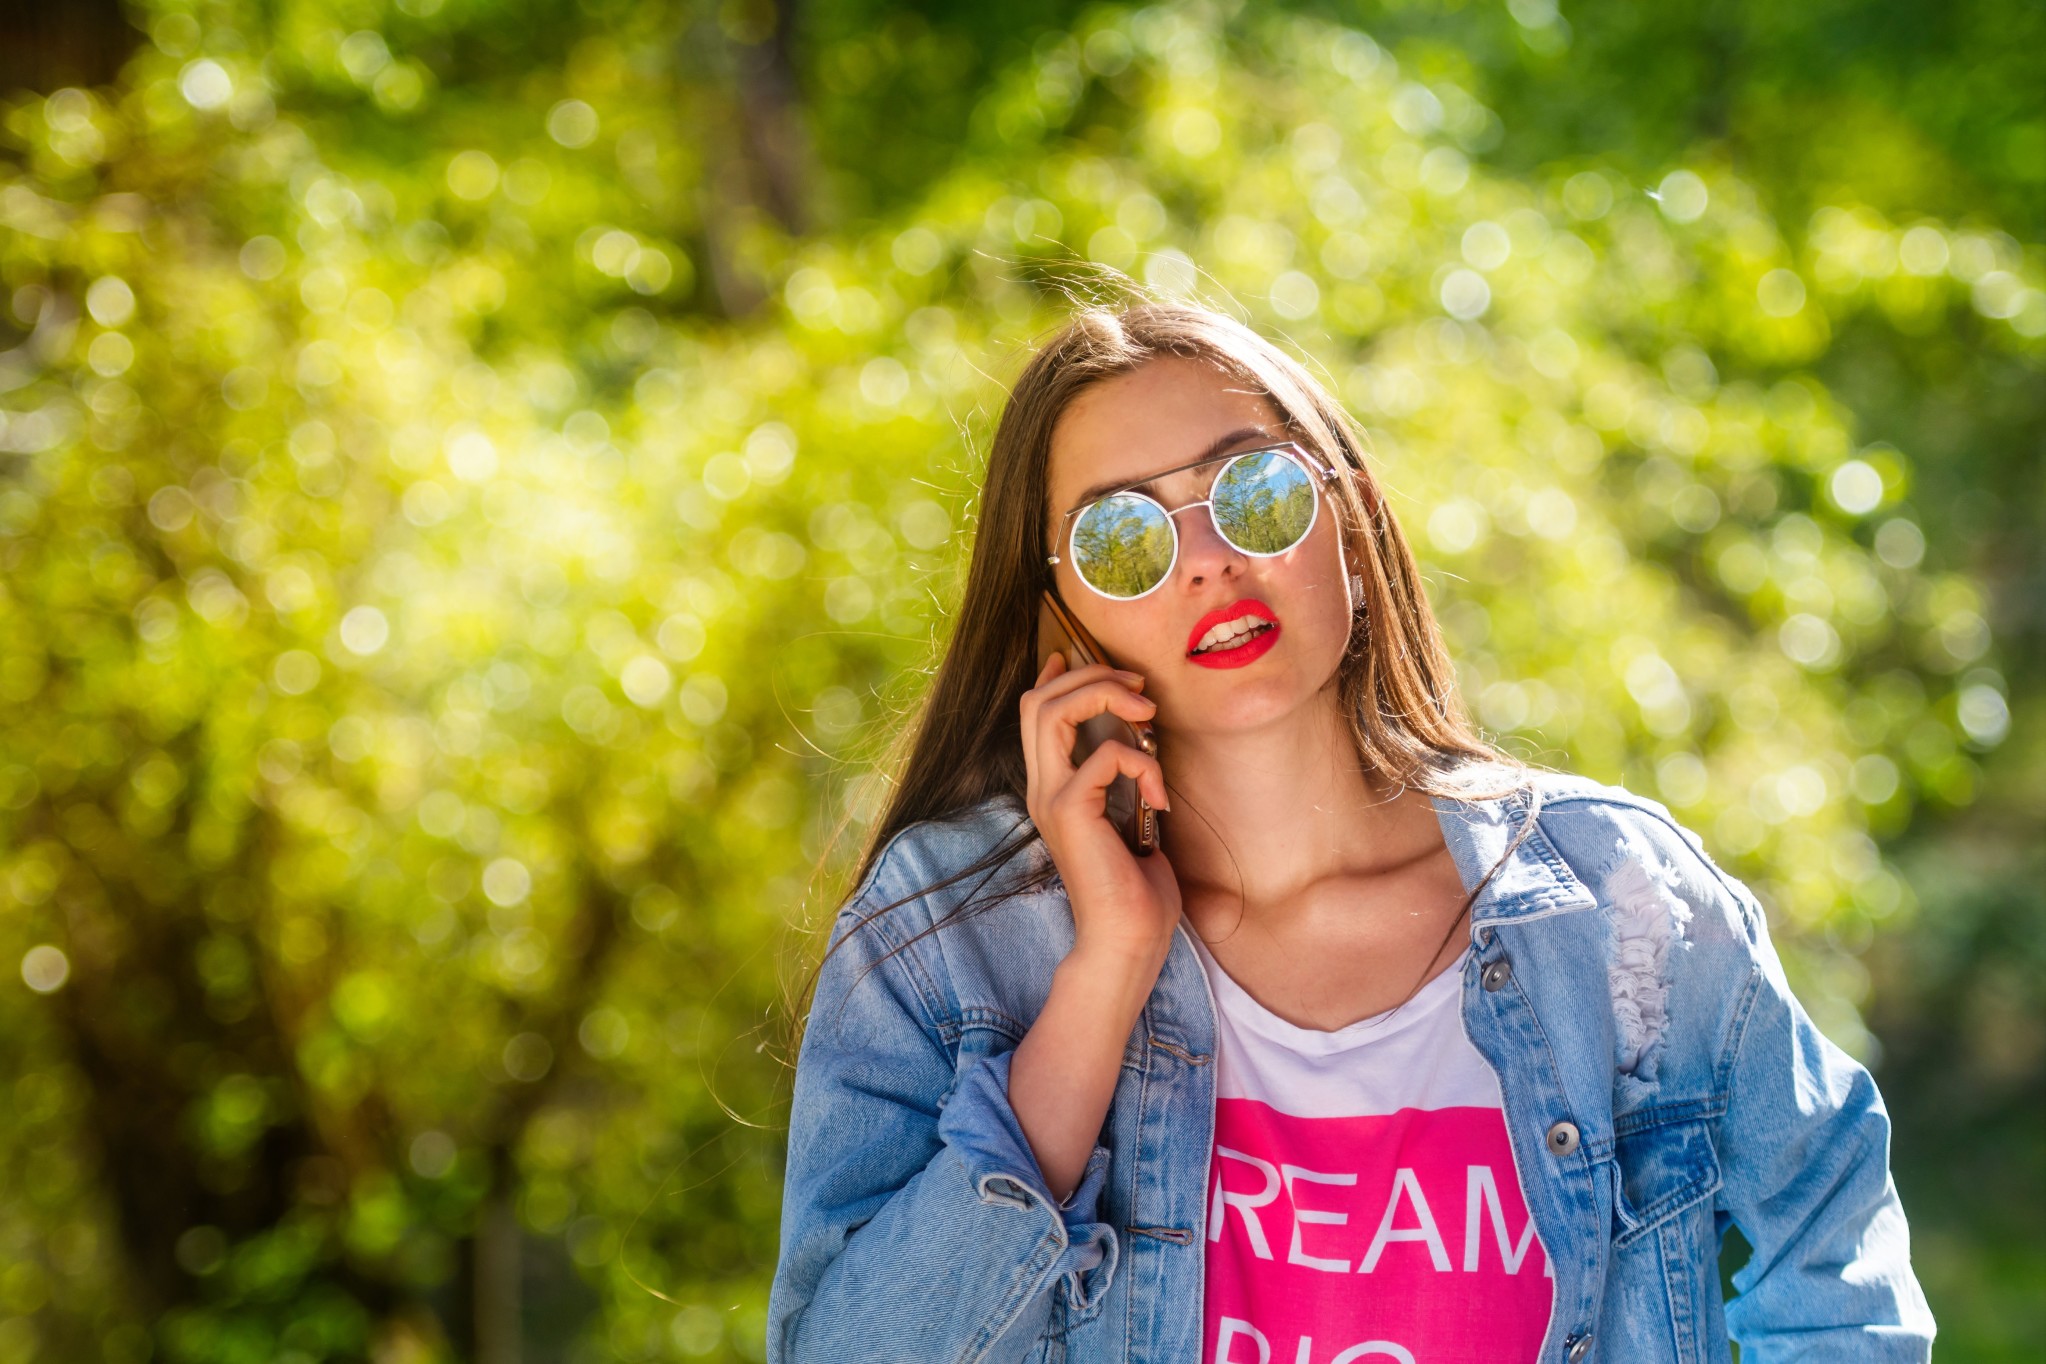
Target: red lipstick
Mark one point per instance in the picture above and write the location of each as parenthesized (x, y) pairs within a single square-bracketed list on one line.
[(1247, 649)]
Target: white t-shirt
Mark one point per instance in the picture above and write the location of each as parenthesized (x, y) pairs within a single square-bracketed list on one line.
[(1363, 1203)]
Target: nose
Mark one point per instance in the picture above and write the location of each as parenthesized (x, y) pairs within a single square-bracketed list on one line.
[(1203, 553)]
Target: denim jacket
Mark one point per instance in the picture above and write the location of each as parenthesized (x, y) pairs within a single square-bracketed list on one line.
[(1661, 1083)]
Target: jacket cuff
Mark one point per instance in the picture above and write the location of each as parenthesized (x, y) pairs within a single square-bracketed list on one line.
[(977, 1122)]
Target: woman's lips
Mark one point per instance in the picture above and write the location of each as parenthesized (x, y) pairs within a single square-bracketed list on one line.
[(1249, 651)]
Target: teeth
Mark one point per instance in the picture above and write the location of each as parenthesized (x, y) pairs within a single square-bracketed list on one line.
[(1231, 632)]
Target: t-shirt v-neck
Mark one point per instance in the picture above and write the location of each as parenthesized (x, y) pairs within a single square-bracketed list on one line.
[(1362, 1191)]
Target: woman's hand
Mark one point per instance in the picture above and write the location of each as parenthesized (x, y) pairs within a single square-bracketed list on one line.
[(1124, 907)]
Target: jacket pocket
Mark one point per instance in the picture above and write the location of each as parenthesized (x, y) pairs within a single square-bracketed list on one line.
[(1662, 1164)]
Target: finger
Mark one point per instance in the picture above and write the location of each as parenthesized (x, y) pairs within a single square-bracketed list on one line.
[(1062, 683), (1116, 759), (1072, 679), (1084, 703), (1054, 668), (1056, 678), (1058, 720)]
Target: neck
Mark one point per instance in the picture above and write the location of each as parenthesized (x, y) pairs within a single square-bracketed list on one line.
[(1269, 812)]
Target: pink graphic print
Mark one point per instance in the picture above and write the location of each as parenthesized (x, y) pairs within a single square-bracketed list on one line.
[(1398, 1238)]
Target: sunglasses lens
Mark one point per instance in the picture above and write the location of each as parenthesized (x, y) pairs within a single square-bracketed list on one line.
[(1264, 503), (1122, 546)]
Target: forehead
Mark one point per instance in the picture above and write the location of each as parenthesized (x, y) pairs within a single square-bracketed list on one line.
[(1163, 414)]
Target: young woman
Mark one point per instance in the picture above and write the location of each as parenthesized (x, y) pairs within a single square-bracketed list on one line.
[(1397, 1050)]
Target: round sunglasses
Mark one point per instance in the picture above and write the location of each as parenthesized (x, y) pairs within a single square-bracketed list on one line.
[(1263, 502)]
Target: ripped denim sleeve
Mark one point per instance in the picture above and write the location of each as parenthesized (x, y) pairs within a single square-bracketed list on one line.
[(1649, 918)]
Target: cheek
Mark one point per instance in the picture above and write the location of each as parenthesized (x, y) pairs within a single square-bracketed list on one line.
[(1138, 635), (1319, 594), (1158, 641)]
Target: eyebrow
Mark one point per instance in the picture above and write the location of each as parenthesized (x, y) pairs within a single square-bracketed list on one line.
[(1237, 437)]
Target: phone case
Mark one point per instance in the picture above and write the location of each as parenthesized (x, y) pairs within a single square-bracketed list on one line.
[(1058, 631)]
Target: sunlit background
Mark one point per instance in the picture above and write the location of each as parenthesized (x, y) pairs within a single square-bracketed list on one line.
[(478, 478)]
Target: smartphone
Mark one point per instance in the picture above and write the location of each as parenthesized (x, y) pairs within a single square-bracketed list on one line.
[(1058, 631)]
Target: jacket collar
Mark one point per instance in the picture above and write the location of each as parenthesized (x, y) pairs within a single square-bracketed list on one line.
[(1533, 883)]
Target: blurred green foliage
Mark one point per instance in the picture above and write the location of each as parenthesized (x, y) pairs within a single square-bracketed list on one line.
[(478, 480)]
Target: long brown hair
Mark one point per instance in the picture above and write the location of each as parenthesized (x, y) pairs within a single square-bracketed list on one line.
[(963, 744)]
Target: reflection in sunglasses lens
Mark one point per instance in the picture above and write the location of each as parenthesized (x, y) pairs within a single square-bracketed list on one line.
[(1123, 546), (1264, 503)]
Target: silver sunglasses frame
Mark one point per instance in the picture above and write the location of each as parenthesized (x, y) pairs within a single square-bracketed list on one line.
[(1293, 450)]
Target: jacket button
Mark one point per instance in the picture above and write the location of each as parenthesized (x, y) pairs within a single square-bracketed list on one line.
[(1580, 1348), (1563, 1140), (1496, 975)]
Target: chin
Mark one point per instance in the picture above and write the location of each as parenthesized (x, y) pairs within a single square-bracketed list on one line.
[(1230, 702)]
